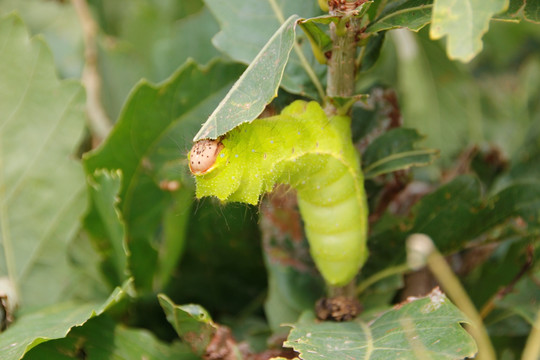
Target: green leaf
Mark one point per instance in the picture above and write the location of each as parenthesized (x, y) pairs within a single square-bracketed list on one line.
[(291, 289), (148, 41), (521, 9), (246, 27), (448, 214), (394, 151), (175, 223), (149, 153), (192, 323), (409, 14), (455, 214), (521, 199), (41, 185), (320, 41), (52, 322), (100, 338), (458, 206), (257, 86), (422, 328), (59, 26), (169, 53), (523, 300), (372, 50), (104, 224), (465, 23)]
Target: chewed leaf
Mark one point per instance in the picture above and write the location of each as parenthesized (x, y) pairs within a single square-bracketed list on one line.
[(257, 86), (429, 328)]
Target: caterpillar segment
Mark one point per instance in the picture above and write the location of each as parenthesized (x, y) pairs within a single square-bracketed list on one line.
[(315, 155)]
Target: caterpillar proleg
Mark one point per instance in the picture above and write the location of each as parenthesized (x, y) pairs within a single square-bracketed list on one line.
[(315, 155)]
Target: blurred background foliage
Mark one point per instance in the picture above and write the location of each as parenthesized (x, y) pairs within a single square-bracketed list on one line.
[(483, 116)]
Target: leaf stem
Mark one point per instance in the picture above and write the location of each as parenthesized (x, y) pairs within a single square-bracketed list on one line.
[(532, 346), (393, 270), (298, 50)]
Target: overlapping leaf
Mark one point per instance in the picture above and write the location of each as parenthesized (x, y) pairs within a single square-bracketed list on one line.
[(257, 86), (263, 18)]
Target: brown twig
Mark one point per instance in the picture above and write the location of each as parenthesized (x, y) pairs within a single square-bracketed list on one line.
[(100, 124)]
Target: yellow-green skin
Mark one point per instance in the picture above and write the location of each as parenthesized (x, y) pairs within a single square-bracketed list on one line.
[(315, 155)]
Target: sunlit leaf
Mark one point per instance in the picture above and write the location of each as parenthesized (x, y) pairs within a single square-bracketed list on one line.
[(257, 86), (262, 19)]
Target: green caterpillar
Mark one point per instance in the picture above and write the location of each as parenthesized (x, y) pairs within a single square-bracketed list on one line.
[(315, 155)]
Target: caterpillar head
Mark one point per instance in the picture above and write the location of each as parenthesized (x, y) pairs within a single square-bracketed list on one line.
[(203, 155)]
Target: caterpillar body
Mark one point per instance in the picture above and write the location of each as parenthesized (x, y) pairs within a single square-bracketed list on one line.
[(315, 155)]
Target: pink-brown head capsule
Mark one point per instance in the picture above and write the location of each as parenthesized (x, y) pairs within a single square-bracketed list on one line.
[(203, 155)]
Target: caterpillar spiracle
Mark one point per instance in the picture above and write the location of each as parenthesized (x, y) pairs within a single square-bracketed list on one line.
[(313, 154)]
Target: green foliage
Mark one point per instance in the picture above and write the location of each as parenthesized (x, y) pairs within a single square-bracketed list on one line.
[(256, 87), (152, 158), (389, 336), (262, 20), (41, 192), (52, 322), (192, 323), (395, 151), (103, 338), (100, 242), (465, 23), (410, 14)]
